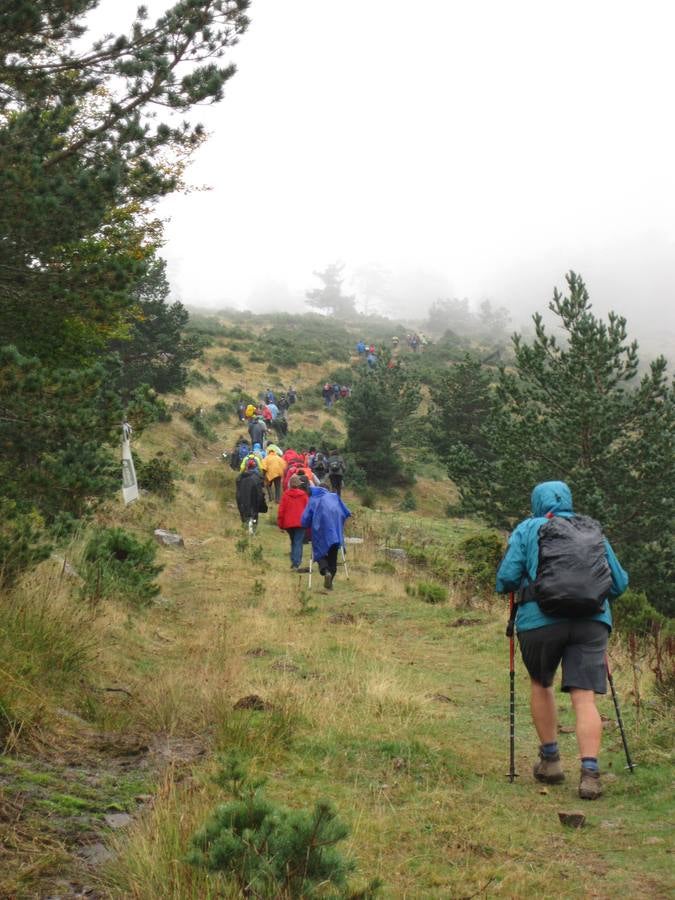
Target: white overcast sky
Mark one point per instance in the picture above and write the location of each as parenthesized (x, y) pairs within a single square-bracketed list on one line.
[(486, 146)]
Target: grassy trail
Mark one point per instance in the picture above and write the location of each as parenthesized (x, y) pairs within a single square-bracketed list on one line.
[(394, 709)]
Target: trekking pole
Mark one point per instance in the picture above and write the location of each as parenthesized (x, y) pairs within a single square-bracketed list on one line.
[(631, 764), (512, 695), (311, 566), (344, 562)]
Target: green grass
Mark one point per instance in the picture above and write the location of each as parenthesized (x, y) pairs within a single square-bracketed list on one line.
[(377, 701)]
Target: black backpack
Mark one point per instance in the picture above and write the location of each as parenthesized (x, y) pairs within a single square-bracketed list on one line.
[(573, 575), (335, 466)]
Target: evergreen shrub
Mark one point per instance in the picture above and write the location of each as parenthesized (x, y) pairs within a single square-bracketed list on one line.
[(268, 850), (431, 592), (483, 553), (22, 541), (157, 476), (117, 565), (230, 361), (368, 497), (408, 504)]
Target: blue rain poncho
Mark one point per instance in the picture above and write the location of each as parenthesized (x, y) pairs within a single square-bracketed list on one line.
[(325, 514)]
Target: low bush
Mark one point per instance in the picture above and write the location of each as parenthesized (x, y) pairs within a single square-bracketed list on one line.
[(408, 504), (224, 411), (23, 542), (649, 637), (195, 378), (268, 850), (157, 476), (368, 497), (117, 565), (230, 361), (483, 553), (201, 427), (431, 592)]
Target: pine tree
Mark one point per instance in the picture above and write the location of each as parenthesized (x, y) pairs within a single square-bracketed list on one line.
[(578, 411), (84, 153), (460, 402), (381, 402), (268, 850), (156, 351), (330, 297)]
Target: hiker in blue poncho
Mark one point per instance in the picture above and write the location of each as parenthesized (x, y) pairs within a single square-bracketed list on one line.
[(325, 514), (566, 573)]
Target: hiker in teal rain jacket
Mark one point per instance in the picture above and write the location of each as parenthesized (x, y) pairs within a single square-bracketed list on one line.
[(580, 644), (518, 568)]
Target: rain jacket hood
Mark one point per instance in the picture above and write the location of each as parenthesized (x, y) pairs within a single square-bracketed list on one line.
[(551, 497)]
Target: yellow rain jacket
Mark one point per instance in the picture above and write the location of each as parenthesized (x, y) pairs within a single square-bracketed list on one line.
[(273, 466)]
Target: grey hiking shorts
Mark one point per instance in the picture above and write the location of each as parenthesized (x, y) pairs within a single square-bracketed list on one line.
[(580, 644)]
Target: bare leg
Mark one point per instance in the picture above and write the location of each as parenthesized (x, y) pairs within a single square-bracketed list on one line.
[(588, 722), (544, 713)]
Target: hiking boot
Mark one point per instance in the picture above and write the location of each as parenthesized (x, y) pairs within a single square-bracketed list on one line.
[(328, 581), (590, 787), (548, 769)]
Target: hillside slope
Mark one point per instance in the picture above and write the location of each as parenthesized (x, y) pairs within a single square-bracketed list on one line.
[(394, 709)]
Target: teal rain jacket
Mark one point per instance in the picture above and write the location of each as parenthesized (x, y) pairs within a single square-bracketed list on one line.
[(518, 568)]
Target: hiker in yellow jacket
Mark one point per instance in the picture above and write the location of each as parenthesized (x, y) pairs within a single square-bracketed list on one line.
[(274, 466)]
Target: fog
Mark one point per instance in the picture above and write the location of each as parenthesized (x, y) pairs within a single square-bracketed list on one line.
[(440, 149)]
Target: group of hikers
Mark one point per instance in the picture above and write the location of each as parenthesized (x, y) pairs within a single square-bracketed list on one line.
[(415, 341), (269, 414), (307, 488), (367, 352), (331, 393), (559, 565)]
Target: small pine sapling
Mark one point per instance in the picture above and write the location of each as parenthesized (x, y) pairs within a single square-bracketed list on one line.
[(267, 849)]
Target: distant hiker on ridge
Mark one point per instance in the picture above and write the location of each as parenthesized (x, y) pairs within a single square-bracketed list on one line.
[(566, 573)]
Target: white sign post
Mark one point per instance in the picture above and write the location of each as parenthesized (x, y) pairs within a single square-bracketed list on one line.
[(129, 483)]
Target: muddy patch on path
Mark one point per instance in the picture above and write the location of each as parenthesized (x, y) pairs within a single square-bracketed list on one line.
[(59, 808)]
